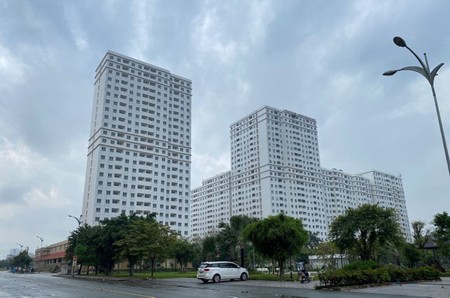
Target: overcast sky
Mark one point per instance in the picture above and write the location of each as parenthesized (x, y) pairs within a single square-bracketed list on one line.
[(322, 59)]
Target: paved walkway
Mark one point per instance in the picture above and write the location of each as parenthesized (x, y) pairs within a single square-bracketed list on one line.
[(434, 289)]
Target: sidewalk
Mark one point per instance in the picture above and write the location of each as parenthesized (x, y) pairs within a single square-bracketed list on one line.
[(435, 289)]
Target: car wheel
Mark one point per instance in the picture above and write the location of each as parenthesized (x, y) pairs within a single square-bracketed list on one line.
[(204, 281), (216, 278), (244, 276)]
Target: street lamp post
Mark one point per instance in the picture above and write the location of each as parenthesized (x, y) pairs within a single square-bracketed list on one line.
[(42, 239), (424, 70), (37, 258), (74, 258), (21, 246), (78, 219)]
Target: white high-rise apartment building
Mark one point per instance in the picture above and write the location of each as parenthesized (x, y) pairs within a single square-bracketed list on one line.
[(275, 168), (210, 204), (388, 191), (139, 154)]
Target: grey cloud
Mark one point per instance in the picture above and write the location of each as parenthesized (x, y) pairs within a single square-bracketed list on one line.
[(12, 195)]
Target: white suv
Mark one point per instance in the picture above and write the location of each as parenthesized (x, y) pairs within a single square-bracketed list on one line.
[(216, 271)]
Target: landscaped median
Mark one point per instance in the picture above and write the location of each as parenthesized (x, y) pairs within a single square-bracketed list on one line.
[(377, 276)]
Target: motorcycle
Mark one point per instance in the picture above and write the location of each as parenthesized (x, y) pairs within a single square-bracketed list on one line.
[(303, 276)]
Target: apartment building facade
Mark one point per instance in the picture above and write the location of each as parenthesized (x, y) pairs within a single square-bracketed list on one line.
[(275, 168), (211, 204), (139, 153)]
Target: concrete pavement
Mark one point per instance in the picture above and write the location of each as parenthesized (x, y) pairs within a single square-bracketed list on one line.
[(434, 289)]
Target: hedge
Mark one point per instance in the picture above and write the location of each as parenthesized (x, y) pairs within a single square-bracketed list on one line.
[(390, 273)]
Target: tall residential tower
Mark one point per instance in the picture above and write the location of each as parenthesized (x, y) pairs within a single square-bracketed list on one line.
[(275, 168), (139, 154)]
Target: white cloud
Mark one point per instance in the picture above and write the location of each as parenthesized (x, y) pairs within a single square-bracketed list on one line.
[(142, 22), (209, 40), (228, 44), (261, 14), (323, 59), (75, 26), (12, 70), (17, 154), (18, 162), (52, 199), (207, 165)]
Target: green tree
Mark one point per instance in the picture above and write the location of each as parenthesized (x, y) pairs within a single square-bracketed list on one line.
[(277, 237), (83, 243), (442, 233), (128, 246), (412, 255), (154, 240), (183, 252), (113, 229), (22, 260), (6, 263), (366, 229), (209, 248), (230, 239), (313, 240), (327, 252), (197, 244), (418, 233)]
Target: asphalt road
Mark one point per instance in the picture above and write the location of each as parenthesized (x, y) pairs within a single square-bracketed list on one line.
[(48, 285)]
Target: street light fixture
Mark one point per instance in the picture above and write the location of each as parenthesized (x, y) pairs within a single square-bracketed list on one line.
[(77, 219), (74, 258), (20, 247), (424, 70), (42, 239)]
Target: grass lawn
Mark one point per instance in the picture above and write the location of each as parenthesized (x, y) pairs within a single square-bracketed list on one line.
[(158, 274), (193, 274)]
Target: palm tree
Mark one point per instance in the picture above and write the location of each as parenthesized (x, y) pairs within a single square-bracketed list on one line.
[(231, 240)]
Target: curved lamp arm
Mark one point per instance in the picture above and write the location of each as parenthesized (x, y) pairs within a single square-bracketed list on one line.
[(429, 75)]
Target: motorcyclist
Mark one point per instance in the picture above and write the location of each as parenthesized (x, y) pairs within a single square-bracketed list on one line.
[(303, 273)]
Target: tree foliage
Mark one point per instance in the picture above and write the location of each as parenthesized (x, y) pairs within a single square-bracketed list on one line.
[(366, 229), (313, 240), (128, 246), (22, 260), (84, 243), (112, 230), (418, 233), (183, 251), (327, 253), (230, 240), (209, 248), (130, 238), (442, 233), (153, 240), (277, 237), (412, 255)]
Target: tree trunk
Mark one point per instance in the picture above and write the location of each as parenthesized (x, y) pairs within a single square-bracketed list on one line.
[(152, 266), (131, 269), (281, 264)]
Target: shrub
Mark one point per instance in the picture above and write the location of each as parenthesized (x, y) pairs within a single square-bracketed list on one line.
[(362, 265), (390, 273)]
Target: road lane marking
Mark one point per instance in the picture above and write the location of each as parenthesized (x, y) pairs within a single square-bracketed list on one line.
[(120, 292)]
